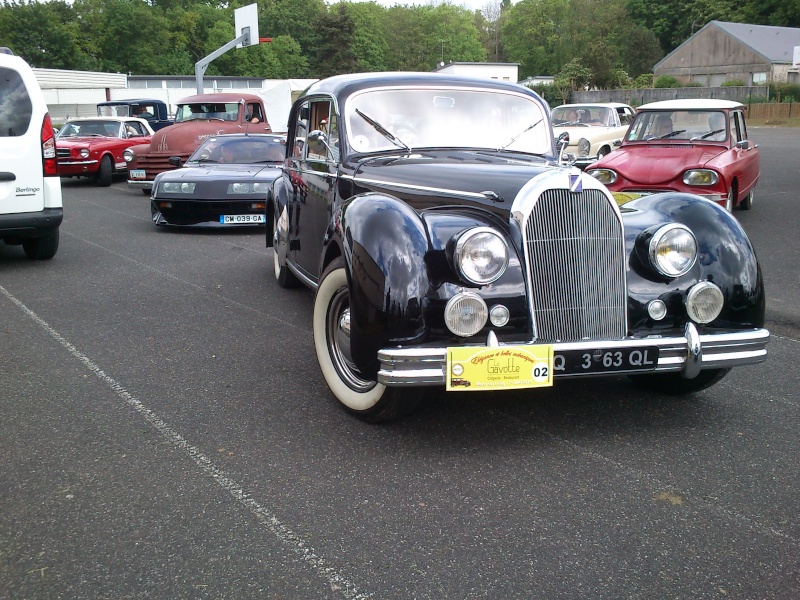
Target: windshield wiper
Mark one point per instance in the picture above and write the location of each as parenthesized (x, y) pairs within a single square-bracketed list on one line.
[(705, 135), (670, 134), (520, 134), (383, 131)]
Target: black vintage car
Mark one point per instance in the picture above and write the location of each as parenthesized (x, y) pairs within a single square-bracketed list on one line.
[(449, 246)]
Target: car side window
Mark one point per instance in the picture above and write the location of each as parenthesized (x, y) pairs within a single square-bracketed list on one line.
[(254, 112), (740, 124), (320, 121), (736, 128), (300, 132), (13, 93)]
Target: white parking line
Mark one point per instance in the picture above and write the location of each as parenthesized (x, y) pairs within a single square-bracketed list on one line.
[(286, 536)]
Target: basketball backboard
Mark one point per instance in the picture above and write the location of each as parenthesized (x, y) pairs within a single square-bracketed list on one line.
[(246, 21)]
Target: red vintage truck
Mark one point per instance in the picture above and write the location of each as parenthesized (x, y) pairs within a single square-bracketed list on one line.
[(196, 118)]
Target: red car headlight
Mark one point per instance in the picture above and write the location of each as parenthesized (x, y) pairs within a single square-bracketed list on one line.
[(700, 177), (604, 176)]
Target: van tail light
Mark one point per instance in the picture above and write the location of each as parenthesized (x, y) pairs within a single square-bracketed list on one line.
[(49, 159)]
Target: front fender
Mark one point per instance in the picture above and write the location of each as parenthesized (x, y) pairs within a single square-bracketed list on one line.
[(725, 256), (384, 243)]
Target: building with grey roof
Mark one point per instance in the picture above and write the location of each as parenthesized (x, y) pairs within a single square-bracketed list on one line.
[(721, 51)]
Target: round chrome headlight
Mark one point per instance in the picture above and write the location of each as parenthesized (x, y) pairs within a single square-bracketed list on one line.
[(127, 154), (465, 314), (604, 176), (583, 147), (481, 255), (704, 302), (673, 250), (84, 153)]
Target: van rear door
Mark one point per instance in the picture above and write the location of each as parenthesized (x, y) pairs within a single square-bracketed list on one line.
[(22, 114)]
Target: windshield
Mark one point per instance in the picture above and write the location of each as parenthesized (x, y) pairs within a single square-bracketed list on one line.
[(679, 125), (114, 110), (590, 116), (244, 150), (90, 129), (450, 118), (223, 111)]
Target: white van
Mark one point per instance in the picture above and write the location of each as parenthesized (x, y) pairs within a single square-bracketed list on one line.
[(31, 210)]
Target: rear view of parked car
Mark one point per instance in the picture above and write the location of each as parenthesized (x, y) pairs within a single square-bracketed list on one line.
[(30, 189)]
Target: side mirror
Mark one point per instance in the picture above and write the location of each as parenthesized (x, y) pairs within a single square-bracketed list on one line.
[(617, 143), (744, 144), (318, 136), (175, 161), (562, 142)]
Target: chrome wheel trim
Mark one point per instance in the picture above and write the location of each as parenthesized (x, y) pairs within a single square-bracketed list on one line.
[(338, 342), (729, 201)]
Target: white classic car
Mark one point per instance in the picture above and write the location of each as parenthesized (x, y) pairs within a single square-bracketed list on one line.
[(592, 128)]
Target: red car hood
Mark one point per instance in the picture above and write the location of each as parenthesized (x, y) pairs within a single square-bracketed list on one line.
[(657, 164), (79, 140)]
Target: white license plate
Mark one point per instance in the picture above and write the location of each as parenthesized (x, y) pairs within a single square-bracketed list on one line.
[(137, 173), (241, 219)]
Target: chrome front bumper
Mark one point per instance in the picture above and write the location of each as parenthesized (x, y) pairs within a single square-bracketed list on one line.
[(688, 355), (139, 184)]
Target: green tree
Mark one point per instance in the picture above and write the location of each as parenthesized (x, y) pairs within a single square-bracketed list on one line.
[(296, 18), (536, 34), (333, 53), (421, 36), (573, 76), (369, 43), (44, 34), (124, 35)]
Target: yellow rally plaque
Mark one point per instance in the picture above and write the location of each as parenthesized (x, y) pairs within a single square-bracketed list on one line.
[(478, 369)]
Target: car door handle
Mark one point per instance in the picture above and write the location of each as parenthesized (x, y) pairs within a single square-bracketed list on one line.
[(7, 176)]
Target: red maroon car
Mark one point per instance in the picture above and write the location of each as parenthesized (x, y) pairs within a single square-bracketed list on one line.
[(92, 146), (695, 146)]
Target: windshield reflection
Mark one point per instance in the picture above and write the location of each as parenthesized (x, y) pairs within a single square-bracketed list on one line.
[(449, 118)]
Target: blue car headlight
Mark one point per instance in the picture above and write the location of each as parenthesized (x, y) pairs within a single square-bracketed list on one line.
[(257, 187), (182, 187)]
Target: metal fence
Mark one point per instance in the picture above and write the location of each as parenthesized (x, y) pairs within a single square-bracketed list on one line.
[(637, 97)]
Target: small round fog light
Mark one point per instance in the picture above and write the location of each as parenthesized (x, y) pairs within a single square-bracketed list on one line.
[(465, 314), (499, 315), (657, 310), (704, 302)]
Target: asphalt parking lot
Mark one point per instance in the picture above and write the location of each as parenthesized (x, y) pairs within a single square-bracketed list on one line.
[(166, 433)]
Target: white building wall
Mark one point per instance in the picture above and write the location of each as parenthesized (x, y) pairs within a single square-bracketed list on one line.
[(500, 71), (57, 78)]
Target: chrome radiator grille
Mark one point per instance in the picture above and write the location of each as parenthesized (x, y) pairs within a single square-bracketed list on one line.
[(576, 254)]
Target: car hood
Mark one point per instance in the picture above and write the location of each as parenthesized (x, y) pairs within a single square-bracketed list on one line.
[(472, 178), (185, 137), (576, 133), (80, 141), (216, 172), (656, 164)]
